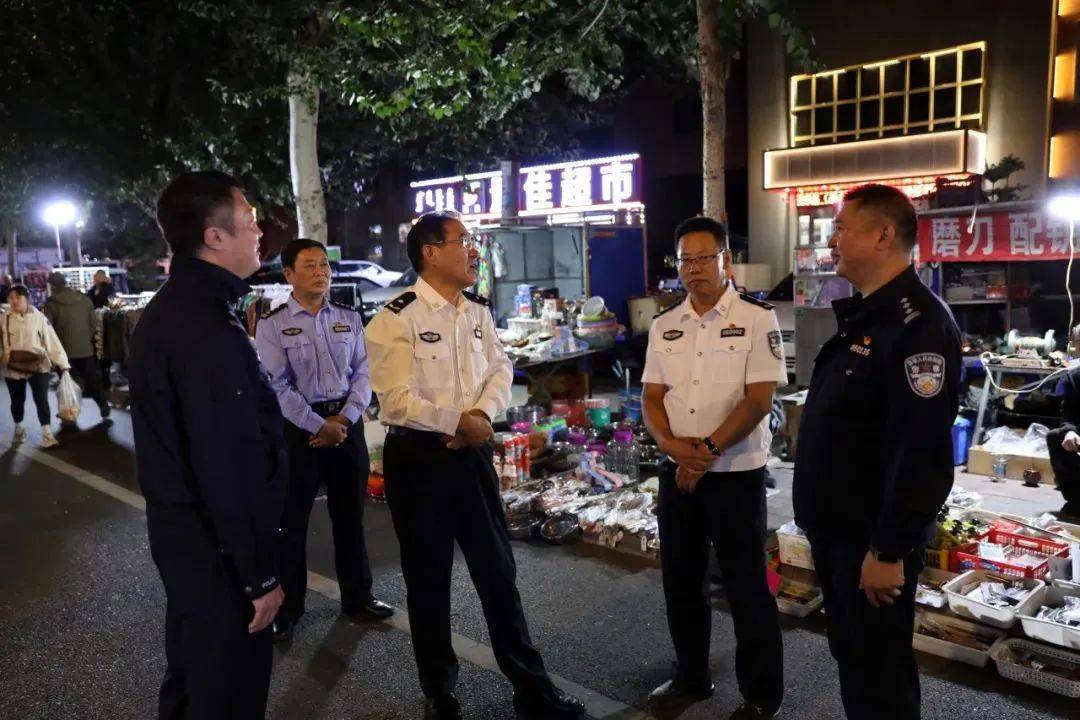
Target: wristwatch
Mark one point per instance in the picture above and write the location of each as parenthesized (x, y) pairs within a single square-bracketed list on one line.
[(883, 556), (712, 448)]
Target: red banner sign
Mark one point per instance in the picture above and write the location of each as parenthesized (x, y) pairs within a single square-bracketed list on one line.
[(1021, 234)]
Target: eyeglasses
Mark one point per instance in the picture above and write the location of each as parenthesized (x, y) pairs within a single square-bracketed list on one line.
[(467, 241), (688, 262)]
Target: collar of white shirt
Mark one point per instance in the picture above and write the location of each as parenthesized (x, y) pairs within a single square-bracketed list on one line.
[(722, 307), (432, 297)]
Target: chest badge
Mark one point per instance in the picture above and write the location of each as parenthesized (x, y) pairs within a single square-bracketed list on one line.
[(478, 333), (430, 337), (733, 331), (860, 349), (291, 331), (867, 340), (340, 327), (776, 345), (673, 334), (925, 373)]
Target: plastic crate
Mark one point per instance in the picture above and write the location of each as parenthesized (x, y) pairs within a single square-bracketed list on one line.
[(951, 650), (967, 557), (979, 611), (1045, 630), (1036, 678)]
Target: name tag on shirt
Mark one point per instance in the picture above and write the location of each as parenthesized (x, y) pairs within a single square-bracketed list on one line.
[(733, 332), (342, 328)]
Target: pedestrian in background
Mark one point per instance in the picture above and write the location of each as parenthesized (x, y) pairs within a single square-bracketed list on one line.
[(874, 462), (210, 457), (102, 291), (30, 350), (72, 314)]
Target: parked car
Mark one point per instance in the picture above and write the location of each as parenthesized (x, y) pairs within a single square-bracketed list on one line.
[(374, 299), (782, 297), (364, 269)]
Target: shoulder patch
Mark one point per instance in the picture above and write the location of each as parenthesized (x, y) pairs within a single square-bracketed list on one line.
[(343, 306), (754, 301), (400, 302), (476, 298), (666, 310), (275, 311)]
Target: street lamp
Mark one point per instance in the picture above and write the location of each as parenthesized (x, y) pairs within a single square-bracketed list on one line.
[(1067, 207), (56, 214)]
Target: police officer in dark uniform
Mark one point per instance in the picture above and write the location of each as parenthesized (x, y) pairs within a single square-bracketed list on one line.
[(442, 376), (211, 458), (315, 354), (874, 461)]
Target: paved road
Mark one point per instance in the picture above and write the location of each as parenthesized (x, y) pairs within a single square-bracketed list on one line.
[(82, 609)]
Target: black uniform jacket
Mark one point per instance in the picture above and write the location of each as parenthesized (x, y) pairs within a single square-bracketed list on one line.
[(208, 428), (874, 460)]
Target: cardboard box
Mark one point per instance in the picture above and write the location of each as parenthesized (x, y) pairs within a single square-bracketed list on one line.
[(981, 462)]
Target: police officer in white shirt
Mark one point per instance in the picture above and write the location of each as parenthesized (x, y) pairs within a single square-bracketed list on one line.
[(441, 376), (711, 368)]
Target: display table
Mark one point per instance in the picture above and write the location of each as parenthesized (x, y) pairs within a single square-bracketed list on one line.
[(540, 372)]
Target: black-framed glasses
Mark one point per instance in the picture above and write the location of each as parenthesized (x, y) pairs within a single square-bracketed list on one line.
[(688, 262)]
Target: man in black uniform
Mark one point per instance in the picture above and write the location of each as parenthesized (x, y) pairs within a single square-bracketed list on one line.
[(211, 458), (1064, 446), (874, 461)]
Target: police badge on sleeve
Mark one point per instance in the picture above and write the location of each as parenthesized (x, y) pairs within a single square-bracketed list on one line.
[(776, 345), (925, 373)]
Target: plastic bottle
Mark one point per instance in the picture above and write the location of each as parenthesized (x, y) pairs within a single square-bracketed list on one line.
[(629, 453)]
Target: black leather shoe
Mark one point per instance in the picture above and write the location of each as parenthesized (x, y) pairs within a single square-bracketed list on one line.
[(680, 692), (442, 707), (371, 610), (553, 704), (749, 711), (283, 630)]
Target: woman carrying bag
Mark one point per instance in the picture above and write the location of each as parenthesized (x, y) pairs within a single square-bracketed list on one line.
[(30, 350)]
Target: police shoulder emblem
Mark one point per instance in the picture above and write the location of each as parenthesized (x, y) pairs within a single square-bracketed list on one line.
[(925, 373), (291, 331), (673, 334), (430, 337), (776, 345)]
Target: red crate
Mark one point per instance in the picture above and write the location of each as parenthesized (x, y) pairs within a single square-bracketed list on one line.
[(967, 557)]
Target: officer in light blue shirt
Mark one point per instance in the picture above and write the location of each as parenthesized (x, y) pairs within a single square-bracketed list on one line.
[(315, 354)]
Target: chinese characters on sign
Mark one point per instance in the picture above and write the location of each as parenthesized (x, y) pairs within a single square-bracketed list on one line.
[(994, 235), (605, 184)]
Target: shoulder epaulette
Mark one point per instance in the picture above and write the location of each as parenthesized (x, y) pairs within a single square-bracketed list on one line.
[(476, 298), (754, 301), (275, 311), (400, 302), (343, 306), (666, 310)]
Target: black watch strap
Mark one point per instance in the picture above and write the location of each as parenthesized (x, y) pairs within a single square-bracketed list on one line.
[(884, 556), (712, 448)]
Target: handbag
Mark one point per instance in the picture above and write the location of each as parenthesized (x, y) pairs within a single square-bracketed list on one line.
[(24, 361)]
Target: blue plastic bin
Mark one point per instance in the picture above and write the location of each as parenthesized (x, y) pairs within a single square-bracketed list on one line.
[(961, 440)]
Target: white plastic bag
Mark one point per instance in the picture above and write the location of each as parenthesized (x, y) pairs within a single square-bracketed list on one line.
[(68, 398)]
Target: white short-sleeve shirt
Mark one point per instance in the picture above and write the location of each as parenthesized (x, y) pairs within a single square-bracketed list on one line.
[(706, 361)]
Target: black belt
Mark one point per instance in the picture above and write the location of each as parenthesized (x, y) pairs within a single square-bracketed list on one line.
[(329, 407), (410, 432)]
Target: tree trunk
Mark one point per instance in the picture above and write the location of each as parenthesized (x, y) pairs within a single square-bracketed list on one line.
[(713, 68), (304, 158)]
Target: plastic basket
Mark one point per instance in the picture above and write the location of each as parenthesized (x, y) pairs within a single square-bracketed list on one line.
[(951, 650), (1036, 678), (1045, 630), (973, 609), (967, 558)]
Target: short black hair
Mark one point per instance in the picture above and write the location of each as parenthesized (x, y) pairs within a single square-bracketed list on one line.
[(186, 205), (20, 290), (893, 204), (294, 247), (430, 229), (702, 223)]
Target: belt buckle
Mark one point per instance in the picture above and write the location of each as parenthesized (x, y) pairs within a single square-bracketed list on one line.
[(333, 407)]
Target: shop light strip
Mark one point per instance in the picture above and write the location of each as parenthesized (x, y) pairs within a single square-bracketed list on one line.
[(581, 209)]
